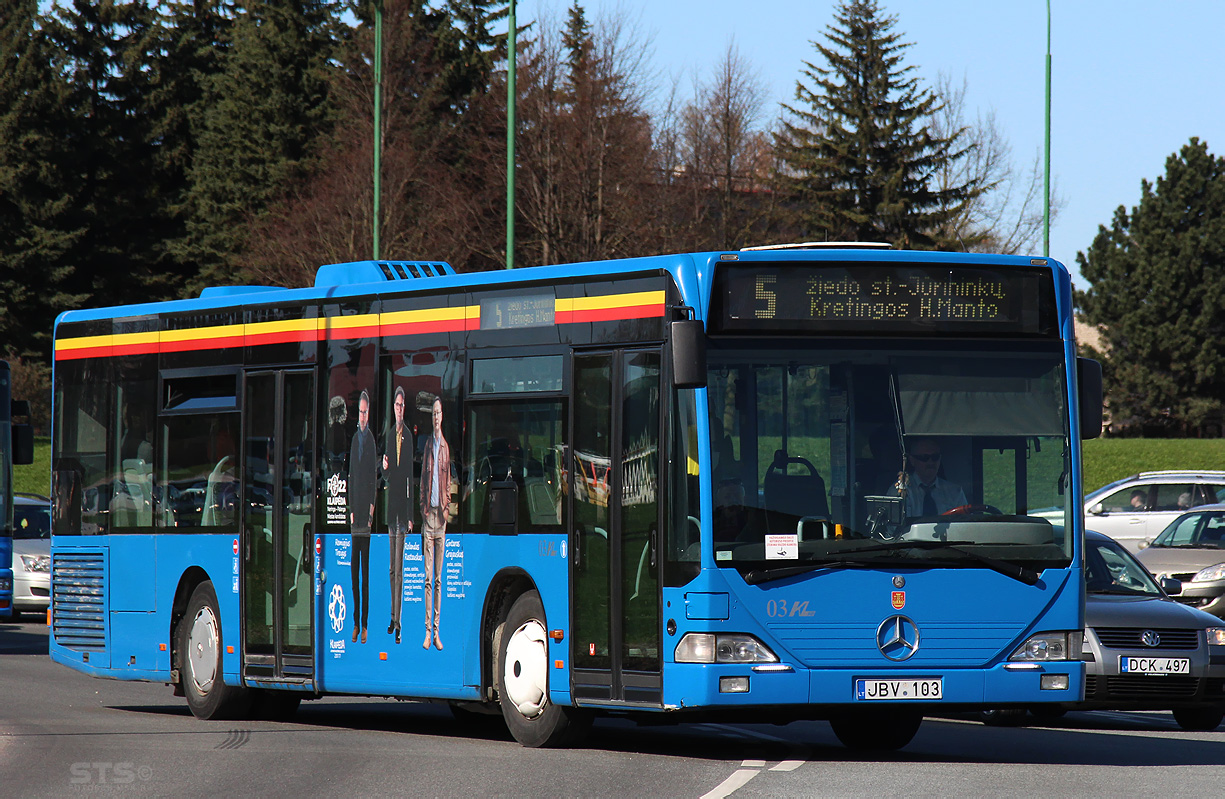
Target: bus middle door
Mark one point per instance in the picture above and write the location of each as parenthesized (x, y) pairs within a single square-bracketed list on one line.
[(278, 488)]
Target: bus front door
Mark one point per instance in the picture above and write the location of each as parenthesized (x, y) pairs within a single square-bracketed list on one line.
[(614, 536), (278, 487)]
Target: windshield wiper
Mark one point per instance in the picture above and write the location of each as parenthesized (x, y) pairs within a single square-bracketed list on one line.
[(845, 559)]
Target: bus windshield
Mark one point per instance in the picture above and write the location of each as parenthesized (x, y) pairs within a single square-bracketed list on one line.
[(853, 452)]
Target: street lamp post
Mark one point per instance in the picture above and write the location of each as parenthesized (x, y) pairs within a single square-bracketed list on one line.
[(378, 120), (1046, 180), (510, 142)]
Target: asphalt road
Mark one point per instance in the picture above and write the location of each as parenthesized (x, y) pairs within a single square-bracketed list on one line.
[(65, 734)]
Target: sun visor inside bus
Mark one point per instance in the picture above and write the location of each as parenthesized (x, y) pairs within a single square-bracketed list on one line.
[(987, 405)]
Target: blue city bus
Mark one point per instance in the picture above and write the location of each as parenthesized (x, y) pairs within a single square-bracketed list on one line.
[(16, 447), (677, 488)]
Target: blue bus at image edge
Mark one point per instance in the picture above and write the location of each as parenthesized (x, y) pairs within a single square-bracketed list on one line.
[(686, 487), (16, 447)]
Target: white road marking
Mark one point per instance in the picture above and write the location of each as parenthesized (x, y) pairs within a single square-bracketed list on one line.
[(750, 768), (738, 780)]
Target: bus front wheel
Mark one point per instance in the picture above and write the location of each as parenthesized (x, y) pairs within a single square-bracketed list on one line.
[(876, 731), (522, 671), (200, 645)]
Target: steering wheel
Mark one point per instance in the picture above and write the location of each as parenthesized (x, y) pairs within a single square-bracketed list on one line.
[(964, 509)]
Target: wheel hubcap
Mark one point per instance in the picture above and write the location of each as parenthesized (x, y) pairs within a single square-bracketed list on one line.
[(526, 671), (202, 644)]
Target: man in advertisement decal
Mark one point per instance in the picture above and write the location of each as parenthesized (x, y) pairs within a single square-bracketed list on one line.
[(435, 498), (363, 483), (398, 472)]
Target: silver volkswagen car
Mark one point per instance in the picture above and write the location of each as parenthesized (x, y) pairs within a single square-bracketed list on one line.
[(1144, 651)]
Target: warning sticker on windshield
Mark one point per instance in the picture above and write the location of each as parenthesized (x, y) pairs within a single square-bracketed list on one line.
[(782, 547)]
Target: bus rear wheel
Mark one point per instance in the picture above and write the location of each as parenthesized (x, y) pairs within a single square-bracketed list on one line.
[(881, 731), (522, 673), (200, 645)]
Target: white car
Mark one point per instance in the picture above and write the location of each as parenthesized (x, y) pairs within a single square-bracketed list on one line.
[(1135, 509), (31, 555)]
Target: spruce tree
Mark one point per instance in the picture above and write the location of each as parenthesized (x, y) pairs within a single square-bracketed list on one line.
[(1157, 292), (858, 153), (38, 226), (261, 115)]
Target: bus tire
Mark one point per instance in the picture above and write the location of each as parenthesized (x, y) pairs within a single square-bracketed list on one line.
[(200, 647), (1201, 719), (881, 731), (522, 674)]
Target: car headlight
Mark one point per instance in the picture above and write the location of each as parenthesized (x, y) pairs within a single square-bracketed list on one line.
[(1216, 572), (1216, 636), (6, 584), (722, 648), (36, 563), (1048, 646)]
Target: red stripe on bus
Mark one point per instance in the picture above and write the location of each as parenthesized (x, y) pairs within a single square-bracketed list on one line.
[(616, 314)]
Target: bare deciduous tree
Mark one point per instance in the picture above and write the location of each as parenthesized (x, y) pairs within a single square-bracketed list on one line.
[(1007, 216)]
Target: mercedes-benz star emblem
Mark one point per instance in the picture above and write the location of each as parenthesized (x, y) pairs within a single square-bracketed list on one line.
[(897, 637), (1150, 638)]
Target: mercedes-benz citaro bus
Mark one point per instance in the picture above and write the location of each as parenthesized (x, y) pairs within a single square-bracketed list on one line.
[(766, 485)]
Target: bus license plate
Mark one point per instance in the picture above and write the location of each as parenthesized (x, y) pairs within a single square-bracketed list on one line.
[(924, 688), (1130, 665)]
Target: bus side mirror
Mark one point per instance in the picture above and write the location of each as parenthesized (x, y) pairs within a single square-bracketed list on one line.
[(688, 354), (23, 444), (23, 434), (1089, 378)]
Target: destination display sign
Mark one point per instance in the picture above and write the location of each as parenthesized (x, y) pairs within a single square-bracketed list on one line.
[(885, 298), (508, 313)]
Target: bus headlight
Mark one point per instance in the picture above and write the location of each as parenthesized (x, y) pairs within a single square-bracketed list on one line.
[(722, 648), (1047, 647)]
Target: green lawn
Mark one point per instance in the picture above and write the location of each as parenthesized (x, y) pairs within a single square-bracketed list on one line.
[(1109, 459), (35, 478)]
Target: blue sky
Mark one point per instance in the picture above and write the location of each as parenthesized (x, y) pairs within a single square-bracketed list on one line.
[(1132, 81)]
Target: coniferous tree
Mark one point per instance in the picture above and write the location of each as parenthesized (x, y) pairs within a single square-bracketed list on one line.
[(1157, 293), (858, 153), (262, 113), (38, 227)]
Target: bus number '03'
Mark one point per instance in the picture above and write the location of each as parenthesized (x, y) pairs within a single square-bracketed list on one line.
[(781, 608)]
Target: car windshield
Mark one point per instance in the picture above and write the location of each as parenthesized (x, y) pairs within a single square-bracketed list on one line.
[(821, 448), (1201, 530), (32, 522), (1110, 569)]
